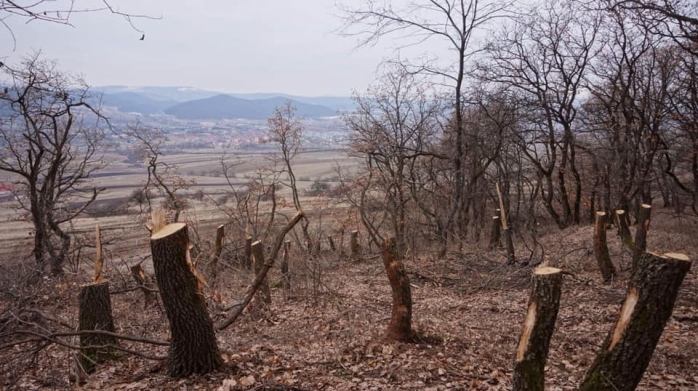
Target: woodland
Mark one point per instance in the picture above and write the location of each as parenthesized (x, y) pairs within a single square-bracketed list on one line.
[(521, 216)]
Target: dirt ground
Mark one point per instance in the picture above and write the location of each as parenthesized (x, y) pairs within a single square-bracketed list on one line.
[(326, 333)]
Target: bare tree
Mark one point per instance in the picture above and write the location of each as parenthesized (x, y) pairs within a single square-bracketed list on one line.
[(452, 22), (50, 139)]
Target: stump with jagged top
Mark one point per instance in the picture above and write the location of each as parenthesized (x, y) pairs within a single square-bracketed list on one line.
[(538, 328), (193, 347)]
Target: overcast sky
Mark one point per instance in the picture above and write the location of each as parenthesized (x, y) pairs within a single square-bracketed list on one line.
[(288, 46)]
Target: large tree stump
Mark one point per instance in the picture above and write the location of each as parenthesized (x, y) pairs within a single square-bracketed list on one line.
[(539, 325), (258, 255), (193, 347), (400, 327), (643, 226), (628, 348), (495, 233), (603, 259), (623, 222), (95, 314)]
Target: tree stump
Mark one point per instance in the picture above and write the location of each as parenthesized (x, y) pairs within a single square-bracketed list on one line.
[(643, 226), (495, 233), (247, 256), (400, 327), (603, 259), (628, 348), (193, 347), (539, 325), (95, 314), (258, 255), (354, 245), (623, 222)]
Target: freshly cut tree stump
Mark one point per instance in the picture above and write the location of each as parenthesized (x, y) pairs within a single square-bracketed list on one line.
[(643, 226), (95, 314), (400, 327), (539, 325), (258, 255), (623, 222), (603, 259), (193, 347), (628, 348), (495, 234)]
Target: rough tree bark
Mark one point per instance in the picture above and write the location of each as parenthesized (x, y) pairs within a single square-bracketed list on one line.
[(508, 239), (608, 272), (193, 347), (539, 325), (95, 314), (628, 348), (400, 327), (258, 256), (643, 226), (622, 221)]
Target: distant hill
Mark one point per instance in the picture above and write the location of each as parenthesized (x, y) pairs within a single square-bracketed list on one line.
[(338, 103), (136, 102), (226, 107), (176, 94)]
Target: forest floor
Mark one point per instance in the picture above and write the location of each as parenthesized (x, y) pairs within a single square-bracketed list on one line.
[(327, 335)]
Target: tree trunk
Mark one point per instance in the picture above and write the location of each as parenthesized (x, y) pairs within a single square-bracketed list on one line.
[(258, 255), (285, 277), (247, 256), (608, 272), (539, 325), (622, 220), (628, 348), (331, 242), (495, 234), (95, 314), (509, 242), (643, 226), (193, 347), (400, 328), (354, 245)]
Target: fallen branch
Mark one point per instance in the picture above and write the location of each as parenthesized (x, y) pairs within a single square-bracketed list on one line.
[(262, 273)]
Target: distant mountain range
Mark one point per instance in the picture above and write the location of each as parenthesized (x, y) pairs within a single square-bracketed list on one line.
[(192, 103)]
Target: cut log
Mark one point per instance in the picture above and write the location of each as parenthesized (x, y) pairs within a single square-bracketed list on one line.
[(193, 347), (285, 276), (623, 222), (603, 259), (538, 328), (628, 348), (258, 257), (354, 245), (95, 314), (495, 233), (400, 327), (643, 226)]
